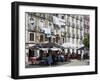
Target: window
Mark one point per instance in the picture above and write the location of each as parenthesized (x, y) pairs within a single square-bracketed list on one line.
[(41, 23), (63, 40), (50, 24), (80, 42), (42, 15), (68, 23), (68, 50), (73, 40), (31, 20), (68, 39), (31, 36), (46, 38), (54, 40), (41, 38), (56, 15), (72, 50), (76, 41), (31, 23), (57, 38)]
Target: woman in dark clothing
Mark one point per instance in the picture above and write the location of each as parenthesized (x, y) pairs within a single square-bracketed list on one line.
[(54, 58)]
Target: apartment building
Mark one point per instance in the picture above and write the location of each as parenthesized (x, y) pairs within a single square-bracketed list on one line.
[(67, 30)]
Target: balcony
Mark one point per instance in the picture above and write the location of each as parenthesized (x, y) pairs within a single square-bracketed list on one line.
[(81, 19), (52, 33), (81, 26), (68, 15), (81, 37), (32, 28), (50, 18), (42, 31), (77, 17), (73, 25), (86, 18), (58, 22), (73, 35), (42, 16), (73, 16), (68, 35), (62, 34), (77, 26), (86, 26), (77, 36), (68, 24), (57, 37)]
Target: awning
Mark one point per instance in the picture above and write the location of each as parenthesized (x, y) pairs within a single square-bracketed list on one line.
[(55, 49), (51, 45), (44, 49), (47, 46), (69, 46), (36, 46), (82, 48)]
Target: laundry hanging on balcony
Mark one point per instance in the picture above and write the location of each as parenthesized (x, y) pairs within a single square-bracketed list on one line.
[(58, 21), (47, 31), (41, 23)]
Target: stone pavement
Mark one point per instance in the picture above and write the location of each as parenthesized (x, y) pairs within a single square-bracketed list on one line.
[(77, 63), (71, 63)]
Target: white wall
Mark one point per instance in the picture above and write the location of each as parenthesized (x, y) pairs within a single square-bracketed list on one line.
[(5, 41)]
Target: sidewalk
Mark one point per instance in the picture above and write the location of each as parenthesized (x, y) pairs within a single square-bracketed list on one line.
[(74, 62), (77, 63)]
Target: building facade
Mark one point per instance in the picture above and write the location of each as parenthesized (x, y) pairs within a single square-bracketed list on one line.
[(67, 30)]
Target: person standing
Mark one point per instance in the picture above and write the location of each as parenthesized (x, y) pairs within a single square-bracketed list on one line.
[(49, 59)]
